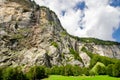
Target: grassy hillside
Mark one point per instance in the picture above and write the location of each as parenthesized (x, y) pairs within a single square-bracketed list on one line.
[(58, 77)]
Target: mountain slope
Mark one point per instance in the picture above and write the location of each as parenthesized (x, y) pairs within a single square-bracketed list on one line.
[(33, 35)]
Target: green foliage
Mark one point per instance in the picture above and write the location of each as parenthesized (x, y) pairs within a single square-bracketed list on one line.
[(13, 73), (92, 73), (10, 73), (113, 69), (63, 33), (113, 65), (70, 70), (94, 60), (97, 58), (98, 41), (54, 44), (36, 72), (56, 70), (98, 69), (101, 70), (94, 41), (1, 71), (77, 71), (76, 54), (105, 60), (109, 69), (67, 70), (116, 69), (48, 71), (86, 51), (85, 71)]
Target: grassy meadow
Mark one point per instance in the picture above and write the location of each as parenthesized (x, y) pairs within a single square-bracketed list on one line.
[(59, 77)]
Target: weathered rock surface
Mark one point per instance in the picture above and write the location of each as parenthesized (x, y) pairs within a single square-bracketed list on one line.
[(32, 35)]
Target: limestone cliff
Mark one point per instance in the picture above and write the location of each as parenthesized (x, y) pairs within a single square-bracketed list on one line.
[(33, 35)]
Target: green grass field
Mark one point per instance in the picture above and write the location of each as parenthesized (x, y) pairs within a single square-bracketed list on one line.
[(58, 77)]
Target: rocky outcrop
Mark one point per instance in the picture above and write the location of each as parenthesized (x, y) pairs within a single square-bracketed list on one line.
[(32, 35)]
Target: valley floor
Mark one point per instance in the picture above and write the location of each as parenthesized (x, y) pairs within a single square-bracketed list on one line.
[(58, 77)]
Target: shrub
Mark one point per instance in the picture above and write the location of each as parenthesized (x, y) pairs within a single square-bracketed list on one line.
[(94, 60), (85, 71), (92, 73), (101, 70), (55, 70), (1, 70), (36, 72), (62, 70), (98, 69), (105, 60), (77, 70), (68, 70), (48, 71), (109, 70), (116, 69), (13, 73)]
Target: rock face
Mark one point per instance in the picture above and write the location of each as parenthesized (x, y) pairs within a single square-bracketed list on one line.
[(32, 35)]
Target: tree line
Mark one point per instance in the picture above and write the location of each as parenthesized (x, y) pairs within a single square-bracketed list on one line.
[(40, 72)]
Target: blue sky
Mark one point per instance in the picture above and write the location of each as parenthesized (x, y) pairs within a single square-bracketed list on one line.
[(115, 3), (88, 18), (80, 5), (116, 34)]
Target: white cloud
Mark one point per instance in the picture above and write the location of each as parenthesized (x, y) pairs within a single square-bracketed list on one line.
[(99, 21)]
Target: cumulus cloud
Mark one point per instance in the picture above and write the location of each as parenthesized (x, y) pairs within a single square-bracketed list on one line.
[(98, 19), (101, 19)]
